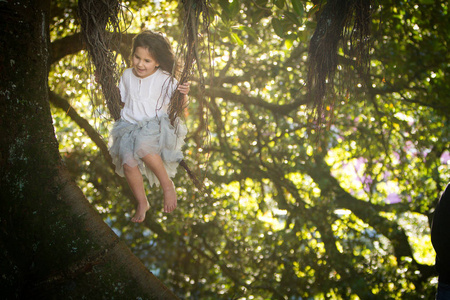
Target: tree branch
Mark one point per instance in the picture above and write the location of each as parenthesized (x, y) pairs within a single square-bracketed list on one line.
[(63, 104), (283, 109), (73, 44)]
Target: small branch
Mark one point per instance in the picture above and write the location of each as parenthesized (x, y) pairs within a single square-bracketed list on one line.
[(63, 104)]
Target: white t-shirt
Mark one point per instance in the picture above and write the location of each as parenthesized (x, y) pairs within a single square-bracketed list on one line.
[(145, 98)]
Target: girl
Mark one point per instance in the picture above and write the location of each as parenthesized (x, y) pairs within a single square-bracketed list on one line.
[(143, 141)]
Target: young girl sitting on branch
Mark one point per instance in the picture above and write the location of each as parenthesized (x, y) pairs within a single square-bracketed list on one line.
[(143, 140)]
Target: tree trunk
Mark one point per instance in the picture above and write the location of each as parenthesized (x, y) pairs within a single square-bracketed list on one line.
[(53, 244)]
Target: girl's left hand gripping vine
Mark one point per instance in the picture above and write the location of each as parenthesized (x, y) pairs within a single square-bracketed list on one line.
[(184, 88)]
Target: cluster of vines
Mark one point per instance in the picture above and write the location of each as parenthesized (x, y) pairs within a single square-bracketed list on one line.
[(100, 26), (189, 50), (340, 20)]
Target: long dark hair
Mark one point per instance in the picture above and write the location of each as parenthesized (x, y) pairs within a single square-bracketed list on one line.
[(159, 48)]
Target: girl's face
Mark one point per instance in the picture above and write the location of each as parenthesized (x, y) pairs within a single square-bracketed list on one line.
[(143, 63)]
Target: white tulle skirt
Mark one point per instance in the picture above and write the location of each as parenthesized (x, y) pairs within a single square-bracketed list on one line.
[(129, 142)]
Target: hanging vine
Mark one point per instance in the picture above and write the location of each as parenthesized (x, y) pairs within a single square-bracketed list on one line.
[(100, 29), (189, 50), (340, 20)]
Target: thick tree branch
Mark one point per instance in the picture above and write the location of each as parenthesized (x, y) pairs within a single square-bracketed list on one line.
[(60, 48), (73, 44)]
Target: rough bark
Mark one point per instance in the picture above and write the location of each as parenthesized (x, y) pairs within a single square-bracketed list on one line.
[(53, 244)]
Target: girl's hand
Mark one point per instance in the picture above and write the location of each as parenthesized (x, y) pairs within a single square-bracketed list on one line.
[(184, 88)]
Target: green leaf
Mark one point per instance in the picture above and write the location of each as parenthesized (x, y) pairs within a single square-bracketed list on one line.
[(234, 8), (278, 26), (313, 10), (293, 18), (224, 4), (229, 10), (298, 7), (262, 3), (235, 38), (250, 31), (288, 43), (225, 15), (280, 3)]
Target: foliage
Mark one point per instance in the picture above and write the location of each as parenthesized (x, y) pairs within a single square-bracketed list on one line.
[(287, 213)]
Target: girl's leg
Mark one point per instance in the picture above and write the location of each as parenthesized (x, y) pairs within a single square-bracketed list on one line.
[(136, 183), (156, 165)]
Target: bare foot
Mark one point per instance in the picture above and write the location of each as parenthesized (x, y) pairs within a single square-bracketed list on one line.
[(170, 198), (141, 210)]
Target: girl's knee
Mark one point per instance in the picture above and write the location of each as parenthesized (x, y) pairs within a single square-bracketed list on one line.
[(127, 168)]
